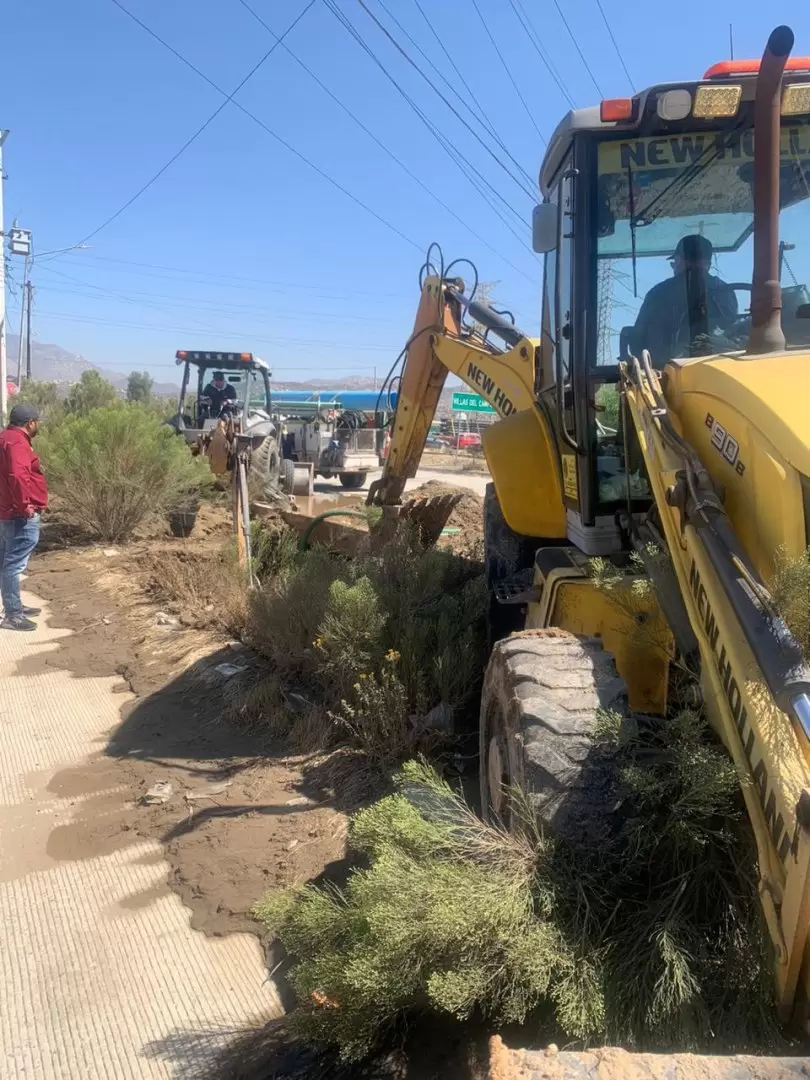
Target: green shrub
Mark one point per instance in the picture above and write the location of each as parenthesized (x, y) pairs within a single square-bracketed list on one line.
[(323, 622), (92, 391), (653, 940), (349, 639), (440, 918), (376, 716), (117, 467), (791, 593), (284, 615), (274, 549), (437, 604), (139, 386)]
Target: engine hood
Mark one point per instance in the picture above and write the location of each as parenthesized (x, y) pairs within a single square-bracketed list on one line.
[(771, 392)]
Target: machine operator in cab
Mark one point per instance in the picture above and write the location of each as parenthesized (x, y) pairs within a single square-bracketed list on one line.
[(681, 312), (219, 392)]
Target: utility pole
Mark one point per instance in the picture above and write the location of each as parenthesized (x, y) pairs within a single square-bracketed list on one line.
[(29, 288), (3, 365), (26, 267)]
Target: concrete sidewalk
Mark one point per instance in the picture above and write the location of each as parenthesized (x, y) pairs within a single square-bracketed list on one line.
[(100, 972)]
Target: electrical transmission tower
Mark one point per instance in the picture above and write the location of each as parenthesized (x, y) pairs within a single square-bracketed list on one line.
[(604, 291)]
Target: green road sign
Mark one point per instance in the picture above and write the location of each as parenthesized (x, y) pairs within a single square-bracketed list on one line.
[(470, 403)]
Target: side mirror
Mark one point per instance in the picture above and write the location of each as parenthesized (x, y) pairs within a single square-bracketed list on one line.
[(544, 227)]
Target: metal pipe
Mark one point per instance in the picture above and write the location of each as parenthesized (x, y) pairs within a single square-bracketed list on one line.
[(483, 314), (801, 710), (766, 334)]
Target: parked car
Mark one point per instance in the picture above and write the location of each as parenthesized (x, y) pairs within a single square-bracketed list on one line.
[(468, 439)]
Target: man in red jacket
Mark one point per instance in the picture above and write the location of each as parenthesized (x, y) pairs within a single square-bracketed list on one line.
[(23, 497)]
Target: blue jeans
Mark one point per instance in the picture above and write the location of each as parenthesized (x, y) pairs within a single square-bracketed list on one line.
[(18, 538)]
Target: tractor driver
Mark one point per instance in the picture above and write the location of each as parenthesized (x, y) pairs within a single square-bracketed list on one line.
[(220, 392), (680, 311)]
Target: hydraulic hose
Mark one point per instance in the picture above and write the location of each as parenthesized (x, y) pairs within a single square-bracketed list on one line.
[(303, 543)]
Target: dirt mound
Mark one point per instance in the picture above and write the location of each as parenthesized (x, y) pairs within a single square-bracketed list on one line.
[(467, 515)]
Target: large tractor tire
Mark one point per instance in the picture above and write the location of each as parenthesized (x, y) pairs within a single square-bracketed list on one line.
[(352, 480), (543, 692), (265, 464)]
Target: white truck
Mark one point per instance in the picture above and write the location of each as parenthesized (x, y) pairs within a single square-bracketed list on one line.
[(347, 443)]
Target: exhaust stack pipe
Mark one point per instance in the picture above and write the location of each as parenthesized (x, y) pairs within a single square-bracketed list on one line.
[(766, 293)]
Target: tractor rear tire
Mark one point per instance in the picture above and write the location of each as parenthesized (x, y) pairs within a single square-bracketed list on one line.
[(352, 480), (264, 469), (543, 692)]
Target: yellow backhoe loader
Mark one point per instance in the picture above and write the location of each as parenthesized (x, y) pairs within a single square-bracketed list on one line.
[(678, 442)]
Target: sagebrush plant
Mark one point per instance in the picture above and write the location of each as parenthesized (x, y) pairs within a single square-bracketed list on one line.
[(376, 718), (274, 549), (791, 594), (349, 640), (92, 391), (284, 615), (653, 939), (438, 919), (322, 620), (117, 467)]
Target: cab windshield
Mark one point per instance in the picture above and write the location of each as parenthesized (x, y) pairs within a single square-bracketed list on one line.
[(678, 210)]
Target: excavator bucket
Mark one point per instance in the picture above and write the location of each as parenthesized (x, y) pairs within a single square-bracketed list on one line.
[(429, 514)]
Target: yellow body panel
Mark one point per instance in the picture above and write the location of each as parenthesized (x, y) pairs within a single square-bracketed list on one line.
[(506, 380), (767, 748), (749, 421), (525, 467), (631, 627)]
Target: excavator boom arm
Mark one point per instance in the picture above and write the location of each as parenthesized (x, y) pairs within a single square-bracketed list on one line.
[(441, 344)]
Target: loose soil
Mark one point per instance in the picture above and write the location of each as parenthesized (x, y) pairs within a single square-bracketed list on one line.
[(467, 515), (239, 819)]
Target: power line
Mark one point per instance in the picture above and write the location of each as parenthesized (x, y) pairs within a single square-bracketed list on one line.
[(236, 281), (197, 133), (403, 52), (615, 44), (531, 34), (238, 311), (480, 182), (245, 335), (243, 283), (507, 70), (418, 180), (288, 146), (581, 54), (485, 122), (485, 118)]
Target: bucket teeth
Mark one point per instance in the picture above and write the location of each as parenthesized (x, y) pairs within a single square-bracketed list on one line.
[(429, 514)]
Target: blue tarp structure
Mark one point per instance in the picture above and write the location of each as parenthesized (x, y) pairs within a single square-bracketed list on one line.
[(364, 400)]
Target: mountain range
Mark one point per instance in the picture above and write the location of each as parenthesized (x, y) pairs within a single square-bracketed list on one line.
[(52, 363)]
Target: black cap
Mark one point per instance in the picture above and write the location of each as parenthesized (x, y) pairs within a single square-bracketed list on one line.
[(21, 414), (219, 375), (694, 249)]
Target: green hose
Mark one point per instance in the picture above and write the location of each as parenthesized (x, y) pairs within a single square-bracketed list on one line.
[(303, 543)]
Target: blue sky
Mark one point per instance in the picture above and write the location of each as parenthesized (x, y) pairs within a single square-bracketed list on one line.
[(240, 244)]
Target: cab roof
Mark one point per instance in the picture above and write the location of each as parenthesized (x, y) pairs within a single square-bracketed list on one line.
[(644, 120), (226, 361)]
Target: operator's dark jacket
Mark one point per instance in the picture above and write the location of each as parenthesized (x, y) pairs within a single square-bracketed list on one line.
[(680, 309), (219, 397)]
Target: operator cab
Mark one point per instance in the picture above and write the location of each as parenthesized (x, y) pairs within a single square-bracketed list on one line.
[(647, 231), (245, 389)]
